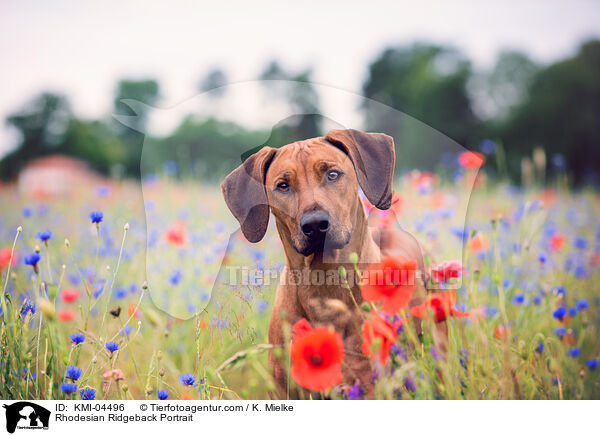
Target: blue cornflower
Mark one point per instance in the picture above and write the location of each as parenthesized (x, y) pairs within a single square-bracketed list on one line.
[(68, 388), (559, 313), (574, 352), (518, 299), (582, 304), (28, 376), (355, 392), (572, 312), (542, 258), (162, 395), (44, 236), (112, 346), (96, 217), (560, 331), (120, 293), (559, 290), (87, 394), (581, 243), (487, 146), (539, 348), (73, 372), (27, 212), (592, 364), (77, 338), (187, 379), (537, 299), (32, 259), (28, 307), (126, 330)]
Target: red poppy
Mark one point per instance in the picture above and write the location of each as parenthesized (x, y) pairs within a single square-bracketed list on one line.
[(300, 328), (471, 160), (70, 295), (442, 305), (66, 315), (133, 310), (556, 241), (317, 355), (378, 328), (445, 271), (502, 331), (391, 282), (479, 242), (5, 254), (176, 235)]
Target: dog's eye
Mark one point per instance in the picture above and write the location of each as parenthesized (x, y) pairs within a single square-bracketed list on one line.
[(283, 187), (333, 175)]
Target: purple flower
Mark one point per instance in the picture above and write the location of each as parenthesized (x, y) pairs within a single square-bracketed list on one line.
[(355, 392)]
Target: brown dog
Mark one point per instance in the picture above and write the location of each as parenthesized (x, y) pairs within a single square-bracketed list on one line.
[(311, 187)]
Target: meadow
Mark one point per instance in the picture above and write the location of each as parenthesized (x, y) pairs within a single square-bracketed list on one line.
[(120, 291)]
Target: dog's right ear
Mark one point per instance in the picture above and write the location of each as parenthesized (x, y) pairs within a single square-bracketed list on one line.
[(245, 194)]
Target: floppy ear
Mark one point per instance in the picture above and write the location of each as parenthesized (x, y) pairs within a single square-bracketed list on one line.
[(373, 157), (245, 195)]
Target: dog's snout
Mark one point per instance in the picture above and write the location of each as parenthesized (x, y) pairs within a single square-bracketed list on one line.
[(314, 223)]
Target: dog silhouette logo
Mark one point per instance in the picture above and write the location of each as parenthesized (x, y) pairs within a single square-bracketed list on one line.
[(26, 415)]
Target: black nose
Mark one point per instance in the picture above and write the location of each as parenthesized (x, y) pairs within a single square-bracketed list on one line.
[(314, 223)]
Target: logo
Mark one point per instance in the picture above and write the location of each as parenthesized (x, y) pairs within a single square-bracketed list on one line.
[(26, 415)]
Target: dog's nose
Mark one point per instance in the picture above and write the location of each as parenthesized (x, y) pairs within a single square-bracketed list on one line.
[(314, 223)]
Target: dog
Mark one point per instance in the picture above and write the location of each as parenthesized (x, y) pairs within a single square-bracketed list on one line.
[(312, 189)]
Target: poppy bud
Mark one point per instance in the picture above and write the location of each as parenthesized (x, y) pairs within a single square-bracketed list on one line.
[(354, 258), (342, 272)]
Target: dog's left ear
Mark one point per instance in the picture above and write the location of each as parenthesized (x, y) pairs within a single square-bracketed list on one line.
[(373, 157), (245, 195)]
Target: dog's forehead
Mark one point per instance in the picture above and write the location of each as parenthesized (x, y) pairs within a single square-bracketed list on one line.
[(306, 152)]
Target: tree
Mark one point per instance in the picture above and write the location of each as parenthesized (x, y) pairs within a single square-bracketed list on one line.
[(561, 114), (41, 125)]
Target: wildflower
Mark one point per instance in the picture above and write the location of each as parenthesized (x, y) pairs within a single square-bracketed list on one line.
[(77, 338), (479, 243), (126, 330), (502, 331), (111, 346), (44, 236), (66, 315), (32, 259), (115, 374), (87, 394), (300, 328), (539, 348), (542, 258), (162, 394), (28, 376), (581, 243), (556, 241), (559, 313), (442, 305), (28, 307), (592, 364), (5, 255), (574, 352), (133, 310), (560, 331), (354, 392), (447, 270), (73, 372), (187, 379), (471, 160), (70, 295), (582, 304), (378, 330), (316, 359), (518, 299), (392, 282), (176, 235), (68, 388), (409, 384), (537, 300), (96, 217), (572, 312)]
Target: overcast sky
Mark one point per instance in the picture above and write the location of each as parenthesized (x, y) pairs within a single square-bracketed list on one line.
[(81, 49)]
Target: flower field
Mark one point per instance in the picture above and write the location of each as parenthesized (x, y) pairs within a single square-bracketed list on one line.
[(122, 291)]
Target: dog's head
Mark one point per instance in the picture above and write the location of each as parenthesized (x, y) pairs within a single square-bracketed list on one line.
[(311, 187)]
